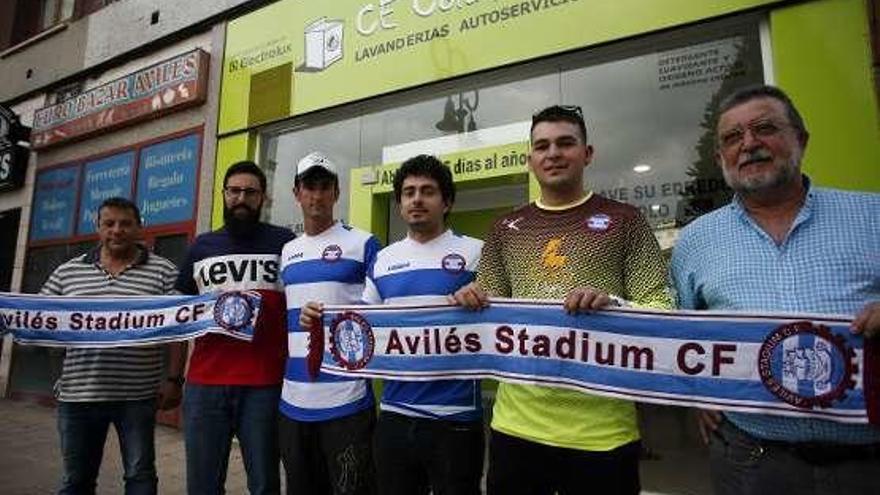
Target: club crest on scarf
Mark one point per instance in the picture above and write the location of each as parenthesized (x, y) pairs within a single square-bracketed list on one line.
[(351, 341), (806, 365), (233, 311)]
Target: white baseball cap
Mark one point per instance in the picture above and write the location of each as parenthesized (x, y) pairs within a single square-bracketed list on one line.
[(314, 159)]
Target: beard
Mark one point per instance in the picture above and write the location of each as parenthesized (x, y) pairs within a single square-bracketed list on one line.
[(780, 174), (241, 220)]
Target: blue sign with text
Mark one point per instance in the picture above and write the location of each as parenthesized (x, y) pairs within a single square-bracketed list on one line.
[(105, 178), (166, 184), (54, 203)]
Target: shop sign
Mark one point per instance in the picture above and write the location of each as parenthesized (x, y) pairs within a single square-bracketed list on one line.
[(486, 153), (13, 156), (467, 165), (297, 56), (166, 183), (54, 203), (102, 179), (165, 87)]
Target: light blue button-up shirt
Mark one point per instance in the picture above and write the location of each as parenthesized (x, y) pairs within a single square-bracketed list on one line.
[(828, 263)]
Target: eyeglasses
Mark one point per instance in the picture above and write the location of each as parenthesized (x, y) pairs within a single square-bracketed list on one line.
[(234, 192), (761, 128)]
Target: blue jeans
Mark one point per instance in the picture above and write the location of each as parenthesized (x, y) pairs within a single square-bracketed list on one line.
[(83, 429), (212, 414)]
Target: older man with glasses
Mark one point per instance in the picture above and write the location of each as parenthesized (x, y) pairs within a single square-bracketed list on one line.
[(782, 245), (233, 386)]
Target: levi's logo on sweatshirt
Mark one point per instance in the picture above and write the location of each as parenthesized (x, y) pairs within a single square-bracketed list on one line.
[(237, 272)]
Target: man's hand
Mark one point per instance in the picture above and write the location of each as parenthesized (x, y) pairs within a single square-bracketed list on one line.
[(867, 322), (585, 299), (471, 296), (169, 395), (708, 421), (311, 314), (170, 390)]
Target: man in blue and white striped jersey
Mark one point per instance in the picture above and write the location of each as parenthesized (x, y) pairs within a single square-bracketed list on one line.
[(326, 424)]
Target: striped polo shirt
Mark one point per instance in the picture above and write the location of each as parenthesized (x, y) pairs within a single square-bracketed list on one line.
[(123, 373)]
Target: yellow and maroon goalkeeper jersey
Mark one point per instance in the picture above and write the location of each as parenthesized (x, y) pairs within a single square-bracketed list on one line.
[(543, 253)]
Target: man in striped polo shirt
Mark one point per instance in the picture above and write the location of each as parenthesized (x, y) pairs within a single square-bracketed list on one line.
[(118, 386), (326, 423)]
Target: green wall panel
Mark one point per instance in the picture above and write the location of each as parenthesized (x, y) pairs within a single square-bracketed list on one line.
[(821, 55)]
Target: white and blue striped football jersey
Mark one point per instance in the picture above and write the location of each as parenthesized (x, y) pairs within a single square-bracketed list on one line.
[(329, 267), (409, 272)]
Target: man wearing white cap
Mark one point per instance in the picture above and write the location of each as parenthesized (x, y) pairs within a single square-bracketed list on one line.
[(326, 422)]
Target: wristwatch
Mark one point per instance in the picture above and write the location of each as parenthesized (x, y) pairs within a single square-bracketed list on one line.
[(177, 380)]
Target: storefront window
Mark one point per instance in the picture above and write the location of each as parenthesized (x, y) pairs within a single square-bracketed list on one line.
[(338, 141), (40, 263), (387, 136), (103, 179), (472, 107), (160, 178), (36, 369), (652, 123), (649, 106)]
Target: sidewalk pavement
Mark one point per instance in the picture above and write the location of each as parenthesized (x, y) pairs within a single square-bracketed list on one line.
[(30, 460)]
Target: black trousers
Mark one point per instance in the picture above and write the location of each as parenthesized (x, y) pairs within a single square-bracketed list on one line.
[(415, 455), (518, 466), (331, 457)]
